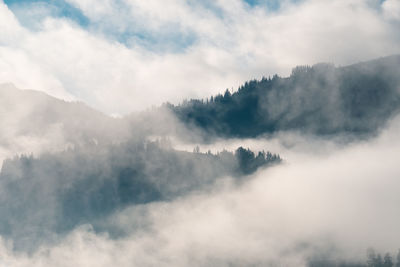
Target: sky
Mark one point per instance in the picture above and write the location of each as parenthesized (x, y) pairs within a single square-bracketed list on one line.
[(129, 55)]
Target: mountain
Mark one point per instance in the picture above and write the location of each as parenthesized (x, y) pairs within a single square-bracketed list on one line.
[(321, 99), (66, 165), (33, 121)]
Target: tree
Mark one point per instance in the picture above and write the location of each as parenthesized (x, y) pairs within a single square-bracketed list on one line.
[(299, 70), (398, 259), (227, 94), (378, 261), (371, 257), (196, 149), (245, 159), (387, 260)]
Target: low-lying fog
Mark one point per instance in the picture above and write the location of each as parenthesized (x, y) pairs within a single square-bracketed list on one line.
[(328, 201)]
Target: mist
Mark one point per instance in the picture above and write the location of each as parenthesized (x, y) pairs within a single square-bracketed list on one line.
[(329, 207), (149, 189)]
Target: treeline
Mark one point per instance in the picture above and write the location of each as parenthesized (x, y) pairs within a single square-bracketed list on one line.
[(53, 193), (373, 259), (320, 99), (377, 260)]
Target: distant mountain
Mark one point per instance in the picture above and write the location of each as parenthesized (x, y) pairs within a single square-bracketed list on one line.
[(37, 111), (32, 121), (319, 99)]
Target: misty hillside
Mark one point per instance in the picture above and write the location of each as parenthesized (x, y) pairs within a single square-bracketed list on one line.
[(36, 114), (84, 166), (319, 99), (54, 193), (34, 122)]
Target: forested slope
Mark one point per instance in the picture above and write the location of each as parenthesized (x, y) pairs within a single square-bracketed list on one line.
[(319, 99)]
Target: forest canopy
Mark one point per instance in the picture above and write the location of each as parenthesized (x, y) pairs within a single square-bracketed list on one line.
[(319, 99)]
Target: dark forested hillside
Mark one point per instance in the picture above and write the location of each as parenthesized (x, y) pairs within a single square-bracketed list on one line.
[(56, 192), (319, 99)]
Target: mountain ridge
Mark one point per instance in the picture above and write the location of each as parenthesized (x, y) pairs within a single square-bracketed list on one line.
[(320, 99)]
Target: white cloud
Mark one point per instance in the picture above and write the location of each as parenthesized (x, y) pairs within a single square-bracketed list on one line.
[(11, 31), (93, 8), (391, 9), (231, 43)]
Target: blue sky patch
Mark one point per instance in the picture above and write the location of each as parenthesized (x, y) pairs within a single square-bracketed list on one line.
[(30, 13)]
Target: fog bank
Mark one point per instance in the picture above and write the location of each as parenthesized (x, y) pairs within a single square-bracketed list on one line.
[(331, 207)]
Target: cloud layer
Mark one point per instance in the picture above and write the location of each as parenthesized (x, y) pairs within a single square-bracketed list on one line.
[(326, 206), (134, 54)]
